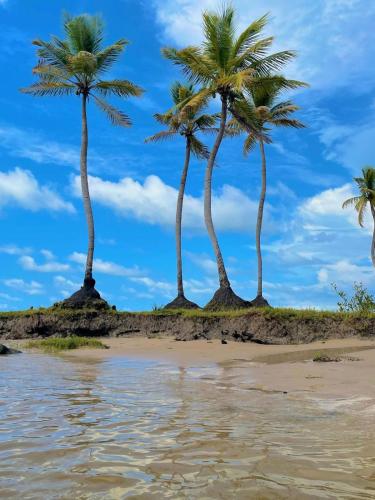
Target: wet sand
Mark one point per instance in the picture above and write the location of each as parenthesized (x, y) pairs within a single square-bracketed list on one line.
[(286, 368)]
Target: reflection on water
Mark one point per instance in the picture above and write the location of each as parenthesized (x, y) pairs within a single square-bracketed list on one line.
[(120, 428)]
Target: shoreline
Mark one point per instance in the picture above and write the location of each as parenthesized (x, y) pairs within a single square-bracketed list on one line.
[(285, 369)]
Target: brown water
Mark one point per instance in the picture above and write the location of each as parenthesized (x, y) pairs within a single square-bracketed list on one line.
[(121, 428)]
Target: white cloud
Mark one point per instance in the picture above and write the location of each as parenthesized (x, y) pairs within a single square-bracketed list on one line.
[(31, 287), (165, 288), (346, 272), (332, 50), (20, 188), (154, 202), (325, 210), (51, 266), (66, 286), (28, 144), (105, 267), (14, 249)]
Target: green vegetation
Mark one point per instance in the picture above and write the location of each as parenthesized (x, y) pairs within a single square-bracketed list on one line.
[(320, 357), (65, 344), (361, 301), (366, 186), (267, 312)]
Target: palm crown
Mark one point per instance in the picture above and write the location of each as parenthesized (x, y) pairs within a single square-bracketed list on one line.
[(186, 122), (228, 64), (366, 185), (76, 64), (260, 110)]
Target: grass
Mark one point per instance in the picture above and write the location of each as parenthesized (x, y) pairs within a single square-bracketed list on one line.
[(65, 344), (271, 313), (320, 357)]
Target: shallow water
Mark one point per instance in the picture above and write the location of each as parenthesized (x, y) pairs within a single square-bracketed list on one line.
[(121, 428)]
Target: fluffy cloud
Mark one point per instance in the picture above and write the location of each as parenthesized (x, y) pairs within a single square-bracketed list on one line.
[(325, 33), (31, 287), (106, 267), (51, 266), (165, 288), (20, 188), (345, 272), (154, 202)]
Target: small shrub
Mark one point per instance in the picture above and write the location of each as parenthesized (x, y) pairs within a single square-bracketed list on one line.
[(65, 344), (361, 301), (320, 357)]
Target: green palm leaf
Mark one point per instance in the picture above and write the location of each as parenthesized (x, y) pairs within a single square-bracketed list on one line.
[(121, 88), (161, 136), (116, 116), (45, 88)]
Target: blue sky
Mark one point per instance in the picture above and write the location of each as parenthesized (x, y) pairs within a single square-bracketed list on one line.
[(309, 241)]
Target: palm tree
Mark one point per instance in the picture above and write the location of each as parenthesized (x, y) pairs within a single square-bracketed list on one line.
[(75, 65), (225, 65), (366, 186), (186, 123), (255, 116)]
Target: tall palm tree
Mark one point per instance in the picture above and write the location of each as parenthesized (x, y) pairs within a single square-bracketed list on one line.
[(366, 186), (256, 116), (225, 65), (188, 123), (75, 65)]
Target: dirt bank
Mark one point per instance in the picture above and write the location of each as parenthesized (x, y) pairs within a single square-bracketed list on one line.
[(273, 326)]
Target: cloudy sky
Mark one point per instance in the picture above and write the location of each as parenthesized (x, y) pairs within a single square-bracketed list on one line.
[(309, 241)]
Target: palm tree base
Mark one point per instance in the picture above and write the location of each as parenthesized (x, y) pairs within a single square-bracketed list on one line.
[(86, 297), (260, 301), (181, 302), (224, 299)]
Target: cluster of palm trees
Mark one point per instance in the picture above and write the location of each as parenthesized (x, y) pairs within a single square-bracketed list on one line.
[(236, 70)]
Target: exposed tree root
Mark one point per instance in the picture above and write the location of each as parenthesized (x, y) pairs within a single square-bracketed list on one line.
[(225, 298), (260, 301), (181, 302), (86, 297)]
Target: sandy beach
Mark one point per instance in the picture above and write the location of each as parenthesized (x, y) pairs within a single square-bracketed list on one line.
[(286, 368)]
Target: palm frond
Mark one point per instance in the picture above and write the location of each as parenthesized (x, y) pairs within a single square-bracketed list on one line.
[(161, 136), (45, 88), (108, 56), (219, 34), (274, 62), (351, 202), (199, 149), (249, 144), (252, 54), (116, 116), (194, 64), (287, 122), (84, 33), (120, 88), (250, 35)]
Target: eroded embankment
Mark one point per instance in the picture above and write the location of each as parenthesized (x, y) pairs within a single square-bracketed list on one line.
[(270, 326)]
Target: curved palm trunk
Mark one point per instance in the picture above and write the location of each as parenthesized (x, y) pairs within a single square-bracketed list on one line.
[(373, 237), (260, 220), (86, 196), (180, 202), (223, 277)]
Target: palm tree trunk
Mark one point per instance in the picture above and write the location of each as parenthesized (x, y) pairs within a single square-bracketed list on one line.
[(86, 196), (373, 237), (180, 202), (260, 219), (223, 277)]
